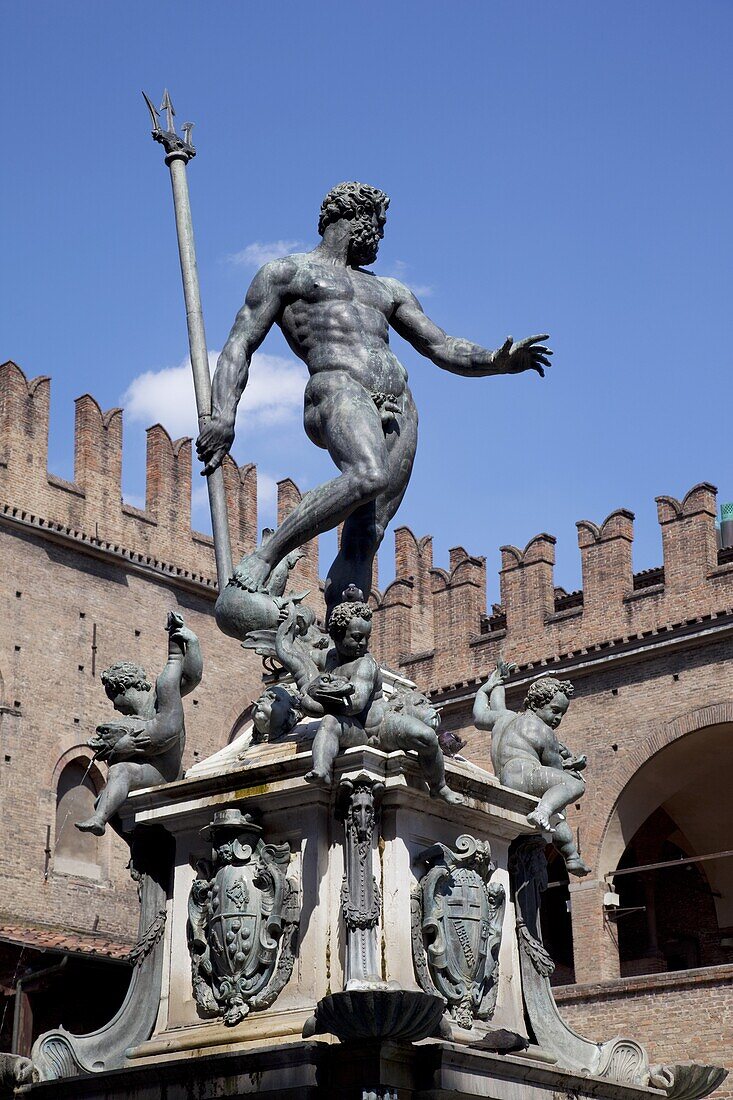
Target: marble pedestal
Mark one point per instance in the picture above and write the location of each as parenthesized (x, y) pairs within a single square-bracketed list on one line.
[(269, 783), (162, 1045)]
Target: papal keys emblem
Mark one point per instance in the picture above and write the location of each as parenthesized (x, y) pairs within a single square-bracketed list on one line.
[(457, 915), (242, 920)]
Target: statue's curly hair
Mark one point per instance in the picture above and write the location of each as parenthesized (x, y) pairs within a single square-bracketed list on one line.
[(348, 200), (542, 691), (343, 613), (123, 675)]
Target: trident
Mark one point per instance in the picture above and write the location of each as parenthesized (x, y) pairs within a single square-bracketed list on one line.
[(178, 152)]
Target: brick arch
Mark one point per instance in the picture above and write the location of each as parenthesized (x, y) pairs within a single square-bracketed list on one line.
[(612, 844), (76, 854), (80, 752), (236, 715)]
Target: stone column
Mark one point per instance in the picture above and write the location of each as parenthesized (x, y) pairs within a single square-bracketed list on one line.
[(358, 807)]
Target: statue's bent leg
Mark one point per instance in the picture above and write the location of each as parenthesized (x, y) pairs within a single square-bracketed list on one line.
[(407, 733), (122, 778), (364, 529), (325, 751), (341, 417), (564, 841), (554, 787)]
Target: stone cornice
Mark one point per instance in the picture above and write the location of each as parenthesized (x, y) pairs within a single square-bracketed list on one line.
[(79, 541)]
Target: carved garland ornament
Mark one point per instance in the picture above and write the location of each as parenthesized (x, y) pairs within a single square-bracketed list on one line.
[(243, 919)]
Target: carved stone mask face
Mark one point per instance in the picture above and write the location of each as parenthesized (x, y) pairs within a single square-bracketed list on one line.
[(366, 233), (552, 713), (225, 850), (362, 815), (262, 714), (355, 640)]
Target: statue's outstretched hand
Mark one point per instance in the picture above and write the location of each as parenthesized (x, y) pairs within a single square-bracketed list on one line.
[(528, 354), (504, 669), (178, 630), (501, 673), (214, 442)]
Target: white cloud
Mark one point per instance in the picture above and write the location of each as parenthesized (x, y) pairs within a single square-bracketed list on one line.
[(261, 252), (399, 271), (274, 395)]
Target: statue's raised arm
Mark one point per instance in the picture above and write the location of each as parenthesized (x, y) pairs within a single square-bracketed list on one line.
[(490, 701), (255, 319)]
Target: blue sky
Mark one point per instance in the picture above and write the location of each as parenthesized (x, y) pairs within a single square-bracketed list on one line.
[(563, 168)]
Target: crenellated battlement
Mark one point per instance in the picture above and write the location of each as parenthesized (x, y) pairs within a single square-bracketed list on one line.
[(435, 623), (91, 509)]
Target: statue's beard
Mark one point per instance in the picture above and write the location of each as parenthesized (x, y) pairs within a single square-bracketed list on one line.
[(363, 243)]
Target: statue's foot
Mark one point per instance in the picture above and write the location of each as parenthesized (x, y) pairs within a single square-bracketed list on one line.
[(321, 779), (541, 819), (91, 825), (252, 573), (449, 796), (577, 867)]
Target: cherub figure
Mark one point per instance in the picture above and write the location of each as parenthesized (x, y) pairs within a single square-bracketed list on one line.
[(145, 747), (527, 755), (347, 696)]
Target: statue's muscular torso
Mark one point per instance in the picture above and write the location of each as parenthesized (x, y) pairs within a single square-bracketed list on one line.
[(336, 318)]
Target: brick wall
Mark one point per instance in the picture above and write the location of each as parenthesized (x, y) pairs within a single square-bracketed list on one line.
[(687, 1016), (649, 654), (88, 580)]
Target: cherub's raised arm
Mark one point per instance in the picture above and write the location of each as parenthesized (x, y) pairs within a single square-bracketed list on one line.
[(193, 662), (261, 309), (490, 701), (169, 687), (462, 356)]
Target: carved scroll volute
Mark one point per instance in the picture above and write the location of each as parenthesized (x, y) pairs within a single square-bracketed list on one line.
[(243, 919), (457, 916)]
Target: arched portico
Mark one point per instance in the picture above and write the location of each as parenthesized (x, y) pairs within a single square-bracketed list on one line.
[(673, 802)]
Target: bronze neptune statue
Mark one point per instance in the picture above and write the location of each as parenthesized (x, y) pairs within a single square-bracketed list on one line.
[(336, 317)]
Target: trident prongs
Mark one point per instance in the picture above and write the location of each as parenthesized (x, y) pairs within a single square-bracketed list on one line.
[(154, 115), (167, 106), (175, 147)]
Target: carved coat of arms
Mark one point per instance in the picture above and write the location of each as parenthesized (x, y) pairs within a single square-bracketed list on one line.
[(242, 920), (457, 915)]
